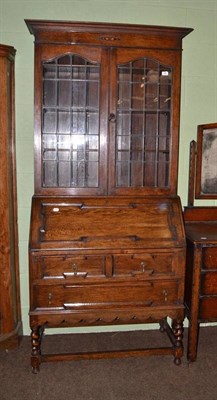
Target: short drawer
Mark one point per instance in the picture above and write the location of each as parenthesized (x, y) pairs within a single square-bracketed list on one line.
[(48, 267), (143, 264), (208, 308), (210, 258), (94, 296), (209, 283)]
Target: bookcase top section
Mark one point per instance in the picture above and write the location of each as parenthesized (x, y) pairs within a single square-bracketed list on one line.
[(107, 33)]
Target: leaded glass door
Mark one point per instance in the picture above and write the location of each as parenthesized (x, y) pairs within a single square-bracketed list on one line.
[(71, 137), (107, 121), (142, 123)]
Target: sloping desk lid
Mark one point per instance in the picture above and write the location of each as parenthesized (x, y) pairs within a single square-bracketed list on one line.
[(102, 223)]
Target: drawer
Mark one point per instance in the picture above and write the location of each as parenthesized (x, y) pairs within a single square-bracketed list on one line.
[(107, 296), (143, 264), (210, 258), (48, 267), (209, 283), (208, 308)]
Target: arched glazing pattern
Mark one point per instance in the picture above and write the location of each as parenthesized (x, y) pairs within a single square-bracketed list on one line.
[(143, 130), (70, 124)]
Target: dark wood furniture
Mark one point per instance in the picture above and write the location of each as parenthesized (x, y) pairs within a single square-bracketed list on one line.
[(201, 233), (10, 316), (201, 271), (107, 243)]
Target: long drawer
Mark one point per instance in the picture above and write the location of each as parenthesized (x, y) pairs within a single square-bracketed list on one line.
[(69, 296)]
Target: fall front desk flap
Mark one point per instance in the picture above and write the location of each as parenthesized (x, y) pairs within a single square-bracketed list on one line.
[(81, 223)]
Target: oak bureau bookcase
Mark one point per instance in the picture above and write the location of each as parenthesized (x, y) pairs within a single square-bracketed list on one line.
[(107, 242)]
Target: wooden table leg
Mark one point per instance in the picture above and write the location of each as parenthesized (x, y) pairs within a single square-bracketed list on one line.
[(194, 311)]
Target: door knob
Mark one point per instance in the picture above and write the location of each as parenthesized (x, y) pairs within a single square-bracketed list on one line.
[(112, 117)]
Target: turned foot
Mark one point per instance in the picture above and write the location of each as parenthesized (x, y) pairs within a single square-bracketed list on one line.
[(36, 337), (177, 360), (177, 327)]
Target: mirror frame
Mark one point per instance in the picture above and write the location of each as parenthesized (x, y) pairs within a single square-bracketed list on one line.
[(206, 165)]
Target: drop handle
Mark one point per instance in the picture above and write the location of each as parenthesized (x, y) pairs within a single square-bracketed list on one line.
[(165, 293), (50, 297), (75, 269), (143, 265), (143, 270), (75, 273), (112, 117)]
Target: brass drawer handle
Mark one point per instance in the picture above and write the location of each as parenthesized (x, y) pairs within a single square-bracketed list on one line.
[(143, 270), (143, 265), (165, 293), (75, 273), (50, 296), (75, 269)]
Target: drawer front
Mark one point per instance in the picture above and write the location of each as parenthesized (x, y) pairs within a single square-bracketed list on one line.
[(209, 283), (69, 267), (208, 308), (142, 264), (97, 296), (210, 258)]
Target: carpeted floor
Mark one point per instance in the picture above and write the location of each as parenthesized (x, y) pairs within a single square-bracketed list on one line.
[(147, 378)]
